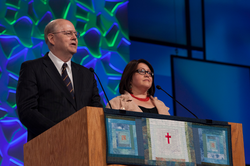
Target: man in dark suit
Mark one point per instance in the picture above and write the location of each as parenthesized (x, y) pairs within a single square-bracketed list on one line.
[(53, 87)]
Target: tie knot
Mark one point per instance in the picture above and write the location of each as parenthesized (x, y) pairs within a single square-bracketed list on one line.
[(64, 65)]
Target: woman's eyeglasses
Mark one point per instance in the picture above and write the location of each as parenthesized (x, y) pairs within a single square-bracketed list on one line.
[(143, 72)]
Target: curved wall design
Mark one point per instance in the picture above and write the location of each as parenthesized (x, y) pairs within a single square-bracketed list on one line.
[(103, 45)]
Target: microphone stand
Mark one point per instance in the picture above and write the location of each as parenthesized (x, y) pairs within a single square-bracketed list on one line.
[(92, 70), (158, 87)]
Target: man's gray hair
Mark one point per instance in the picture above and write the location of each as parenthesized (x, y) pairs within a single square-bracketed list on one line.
[(50, 28)]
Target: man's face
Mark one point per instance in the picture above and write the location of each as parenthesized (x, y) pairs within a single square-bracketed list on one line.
[(65, 39)]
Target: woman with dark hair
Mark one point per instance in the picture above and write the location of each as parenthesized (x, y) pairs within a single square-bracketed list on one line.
[(137, 90)]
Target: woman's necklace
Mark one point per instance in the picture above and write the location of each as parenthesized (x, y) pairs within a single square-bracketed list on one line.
[(141, 99)]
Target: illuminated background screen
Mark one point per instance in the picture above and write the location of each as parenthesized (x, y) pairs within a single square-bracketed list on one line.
[(213, 91)]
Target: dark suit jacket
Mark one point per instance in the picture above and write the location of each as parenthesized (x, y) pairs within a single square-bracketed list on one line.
[(43, 99)]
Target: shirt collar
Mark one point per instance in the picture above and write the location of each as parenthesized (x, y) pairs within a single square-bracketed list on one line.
[(58, 62)]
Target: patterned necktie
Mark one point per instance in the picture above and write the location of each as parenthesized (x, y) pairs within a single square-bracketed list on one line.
[(66, 79)]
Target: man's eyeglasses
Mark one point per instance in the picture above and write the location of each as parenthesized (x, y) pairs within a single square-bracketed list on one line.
[(69, 33), (143, 72)]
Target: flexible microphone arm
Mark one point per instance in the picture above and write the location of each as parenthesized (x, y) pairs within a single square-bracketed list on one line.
[(159, 87), (92, 70)]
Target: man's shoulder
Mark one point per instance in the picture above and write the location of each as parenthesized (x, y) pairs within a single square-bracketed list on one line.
[(77, 65), (80, 67), (34, 62)]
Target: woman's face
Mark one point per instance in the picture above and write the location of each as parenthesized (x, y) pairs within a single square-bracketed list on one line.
[(141, 81)]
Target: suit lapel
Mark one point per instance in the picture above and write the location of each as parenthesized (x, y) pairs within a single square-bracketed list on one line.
[(56, 78), (77, 82)]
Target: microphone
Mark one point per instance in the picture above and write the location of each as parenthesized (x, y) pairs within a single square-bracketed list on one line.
[(159, 87), (92, 70)]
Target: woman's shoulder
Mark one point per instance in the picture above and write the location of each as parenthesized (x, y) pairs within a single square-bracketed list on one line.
[(123, 97), (155, 99), (116, 98), (160, 105)]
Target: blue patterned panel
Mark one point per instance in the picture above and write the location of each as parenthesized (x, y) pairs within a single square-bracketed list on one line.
[(122, 138), (213, 143)]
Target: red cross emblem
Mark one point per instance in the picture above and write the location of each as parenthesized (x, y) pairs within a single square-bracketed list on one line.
[(168, 136)]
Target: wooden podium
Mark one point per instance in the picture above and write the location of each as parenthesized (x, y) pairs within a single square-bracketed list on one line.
[(80, 140)]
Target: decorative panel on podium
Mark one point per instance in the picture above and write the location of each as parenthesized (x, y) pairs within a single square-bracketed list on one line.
[(148, 139)]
